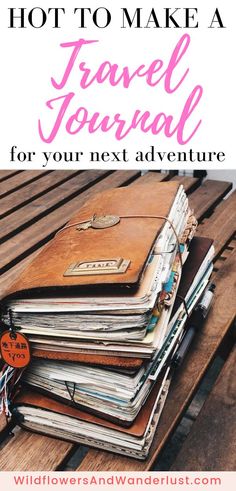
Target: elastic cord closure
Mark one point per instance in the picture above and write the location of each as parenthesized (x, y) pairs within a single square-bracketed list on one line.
[(185, 304), (71, 392), (158, 217)]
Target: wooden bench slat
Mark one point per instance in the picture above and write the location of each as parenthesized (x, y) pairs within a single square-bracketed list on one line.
[(151, 177), (220, 261), (43, 205), (3, 422), (6, 174), (18, 181), (226, 253), (33, 209), (31, 452), (189, 183), (33, 190), (39, 231), (11, 275), (211, 444), (34, 236), (7, 278), (185, 383), (222, 223), (203, 199), (205, 345), (207, 196)]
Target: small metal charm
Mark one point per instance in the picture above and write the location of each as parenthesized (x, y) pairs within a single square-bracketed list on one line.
[(84, 226), (105, 221)]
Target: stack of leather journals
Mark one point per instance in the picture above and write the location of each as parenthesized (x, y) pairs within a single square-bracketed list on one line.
[(104, 307)]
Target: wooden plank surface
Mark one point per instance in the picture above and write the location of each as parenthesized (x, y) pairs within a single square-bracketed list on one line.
[(222, 223), (151, 177), (18, 181), (3, 422), (31, 452), (17, 256), (27, 194), (7, 278), (208, 195), (15, 247), (189, 183), (5, 174), (211, 444), (186, 381), (227, 252), (38, 233), (46, 202), (203, 199)]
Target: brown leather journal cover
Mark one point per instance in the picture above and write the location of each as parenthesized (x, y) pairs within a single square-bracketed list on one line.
[(131, 239), (90, 359), (35, 399)]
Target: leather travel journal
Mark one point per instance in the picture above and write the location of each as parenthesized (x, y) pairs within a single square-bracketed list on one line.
[(107, 253), (64, 270), (33, 399), (90, 359), (37, 400), (46, 376), (199, 248)]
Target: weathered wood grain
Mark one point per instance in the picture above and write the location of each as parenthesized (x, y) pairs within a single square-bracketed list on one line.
[(38, 233), (3, 422), (222, 224), (32, 190), (218, 264), (18, 181), (11, 275), (43, 205), (189, 183), (5, 174), (211, 444), (210, 193), (151, 177), (30, 452)]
